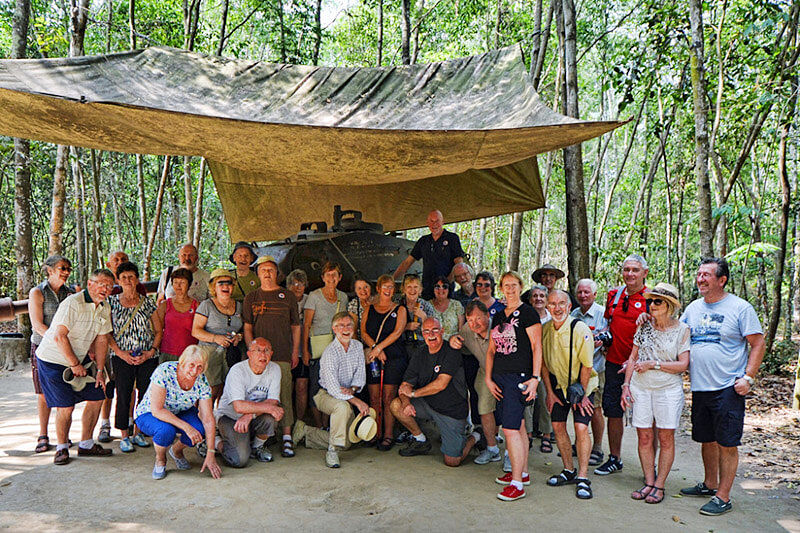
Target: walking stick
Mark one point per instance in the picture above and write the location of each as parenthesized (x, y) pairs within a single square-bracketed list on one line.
[(380, 404)]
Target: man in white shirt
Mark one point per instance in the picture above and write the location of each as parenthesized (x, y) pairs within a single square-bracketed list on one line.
[(188, 259), (249, 408), (81, 323)]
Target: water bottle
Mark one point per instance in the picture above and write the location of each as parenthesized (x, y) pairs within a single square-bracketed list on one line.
[(136, 353), (523, 387), (375, 368)]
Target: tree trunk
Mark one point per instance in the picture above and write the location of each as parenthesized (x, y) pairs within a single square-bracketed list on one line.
[(198, 208), (536, 70), (223, 25), (317, 33), (132, 22), (405, 31), (115, 190), (97, 240), (109, 23), (380, 33), (187, 186), (148, 255), (421, 12), (142, 197), (700, 97), (481, 245), (548, 172), (514, 241), (786, 202), (497, 17), (191, 16), (56, 244), (577, 225), (282, 31), (80, 221)]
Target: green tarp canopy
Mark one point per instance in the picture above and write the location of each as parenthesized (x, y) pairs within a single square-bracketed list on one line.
[(285, 143)]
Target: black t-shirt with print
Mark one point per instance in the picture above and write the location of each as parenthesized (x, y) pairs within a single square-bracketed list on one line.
[(425, 367), (513, 354)]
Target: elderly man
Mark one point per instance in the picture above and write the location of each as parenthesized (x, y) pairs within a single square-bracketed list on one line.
[(591, 313), (623, 307), (433, 388), (271, 312), (249, 407), (342, 375), (473, 341), (567, 346), (722, 372), (188, 259), (440, 251), (464, 275), (82, 322)]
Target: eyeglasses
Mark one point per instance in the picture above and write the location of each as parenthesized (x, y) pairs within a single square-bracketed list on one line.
[(224, 282), (65, 269), (432, 331), (654, 301), (483, 284), (442, 287)]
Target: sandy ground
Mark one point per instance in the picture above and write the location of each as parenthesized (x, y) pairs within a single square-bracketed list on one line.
[(379, 491)]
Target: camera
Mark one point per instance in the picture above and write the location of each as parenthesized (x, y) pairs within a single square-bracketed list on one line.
[(604, 337)]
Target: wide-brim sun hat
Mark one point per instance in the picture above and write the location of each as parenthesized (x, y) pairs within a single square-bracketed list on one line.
[(78, 383), (665, 291), (547, 267), (218, 273), (264, 259), (243, 244), (363, 427)]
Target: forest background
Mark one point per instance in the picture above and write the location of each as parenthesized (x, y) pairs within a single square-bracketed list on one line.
[(707, 164)]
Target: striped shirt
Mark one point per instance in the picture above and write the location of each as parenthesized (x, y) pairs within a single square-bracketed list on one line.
[(84, 321), (339, 368), (50, 303), (139, 334)]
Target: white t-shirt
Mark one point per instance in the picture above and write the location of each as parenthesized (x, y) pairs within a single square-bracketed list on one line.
[(197, 290), (84, 321), (663, 346), (243, 385), (324, 310)]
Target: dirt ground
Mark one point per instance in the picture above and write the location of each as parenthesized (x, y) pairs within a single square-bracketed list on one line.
[(373, 490)]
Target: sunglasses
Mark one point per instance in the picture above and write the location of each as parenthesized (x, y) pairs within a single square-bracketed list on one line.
[(656, 301), (483, 284), (433, 331), (443, 287), (625, 304), (224, 282), (65, 269)]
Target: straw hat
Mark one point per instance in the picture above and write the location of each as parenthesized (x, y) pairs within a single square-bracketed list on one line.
[(219, 273), (665, 291), (363, 427), (265, 259), (547, 267)]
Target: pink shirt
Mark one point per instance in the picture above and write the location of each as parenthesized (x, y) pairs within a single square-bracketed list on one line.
[(177, 329)]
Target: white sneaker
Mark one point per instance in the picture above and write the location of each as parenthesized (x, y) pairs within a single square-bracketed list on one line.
[(506, 462), (487, 456), (332, 459)]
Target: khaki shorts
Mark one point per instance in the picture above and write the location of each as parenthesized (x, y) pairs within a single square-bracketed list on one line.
[(598, 392), (217, 368), (486, 402)]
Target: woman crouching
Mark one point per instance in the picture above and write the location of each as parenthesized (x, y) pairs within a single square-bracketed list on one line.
[(178, 400)]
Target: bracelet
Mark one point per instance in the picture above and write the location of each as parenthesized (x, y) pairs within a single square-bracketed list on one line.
[(626, 385)]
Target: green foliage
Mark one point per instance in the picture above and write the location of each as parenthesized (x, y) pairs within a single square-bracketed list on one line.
[(780, 359)]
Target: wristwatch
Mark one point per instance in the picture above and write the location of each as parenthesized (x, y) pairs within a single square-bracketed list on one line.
[(749, 380), (537, 378), (413, 393), (657, 366)]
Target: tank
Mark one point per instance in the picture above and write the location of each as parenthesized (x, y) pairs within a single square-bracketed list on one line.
[(356, 245)]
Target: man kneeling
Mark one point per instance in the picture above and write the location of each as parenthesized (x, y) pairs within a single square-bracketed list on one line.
[(434, 388), (567, 353), (249, 407), (342, 373)]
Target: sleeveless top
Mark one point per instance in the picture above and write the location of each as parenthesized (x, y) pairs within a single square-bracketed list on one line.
[(396, 350), (50, 305), (177, 329)]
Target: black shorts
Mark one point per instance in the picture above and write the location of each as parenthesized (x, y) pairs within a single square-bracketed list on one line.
[(612, 391), (300, 371), (510, 408), (561, 412), (718, 416), (393, 371)]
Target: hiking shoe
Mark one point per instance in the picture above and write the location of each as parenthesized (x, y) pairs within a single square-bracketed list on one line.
[(511, 493), (94, 451), (125, 445), (506, 462), (404, 437), (159, 472), (506, 479), (105, 434), (140, 441), (415, 447), (202, 449), (332, 459), (699, 490), (487, 456), (609, 467), (262, 454), (716, 507)]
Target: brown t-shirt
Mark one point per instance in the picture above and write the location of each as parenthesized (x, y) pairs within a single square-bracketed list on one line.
[(272, 314)]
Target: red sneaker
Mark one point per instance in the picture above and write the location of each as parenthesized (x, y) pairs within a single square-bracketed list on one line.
[(511, 493), (505, 479)]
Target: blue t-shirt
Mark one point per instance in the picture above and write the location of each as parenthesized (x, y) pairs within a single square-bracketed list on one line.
[(438, 258), (718, 355)]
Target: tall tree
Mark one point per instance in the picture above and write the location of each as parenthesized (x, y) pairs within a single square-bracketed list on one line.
[(317, 33), (577, 225), (405, 31), (700, 98), (379, 60)]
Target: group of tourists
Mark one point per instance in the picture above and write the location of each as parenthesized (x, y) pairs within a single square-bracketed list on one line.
[(232, 361)]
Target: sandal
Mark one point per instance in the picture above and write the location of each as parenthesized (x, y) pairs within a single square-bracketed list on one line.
[(546, 446), (583, 491), (653, 498), (564, 478), (386, 444), (42, 444), (288, 449), (595, 458), (641, 494)]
